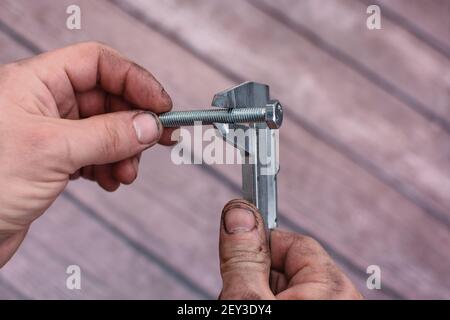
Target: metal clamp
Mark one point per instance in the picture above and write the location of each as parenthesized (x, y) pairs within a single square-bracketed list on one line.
[(260, 150), (246, 109)]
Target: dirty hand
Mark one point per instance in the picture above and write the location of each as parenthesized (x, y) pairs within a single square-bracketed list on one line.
[(77, 111), (296, 267)]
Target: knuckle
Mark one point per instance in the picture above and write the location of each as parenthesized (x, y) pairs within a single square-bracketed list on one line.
[(307, 241), (244, 258), (309, 249), (95, 48), (109, 137), (95, 45), (337, 283), (347, 291), (298, 241)]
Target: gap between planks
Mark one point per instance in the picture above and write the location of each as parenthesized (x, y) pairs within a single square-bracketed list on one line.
[(408, 192), (217, 175)]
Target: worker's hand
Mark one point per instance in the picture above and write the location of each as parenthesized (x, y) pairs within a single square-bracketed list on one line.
[(296, 267), (83, 110)]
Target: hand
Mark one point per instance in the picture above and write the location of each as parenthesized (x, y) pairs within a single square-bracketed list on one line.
[(296, 267), (77, 111)]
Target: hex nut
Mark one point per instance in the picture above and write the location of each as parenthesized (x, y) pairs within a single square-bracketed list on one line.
[(274, 114)]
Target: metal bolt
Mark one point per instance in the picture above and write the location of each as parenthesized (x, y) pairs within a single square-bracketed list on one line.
[(272, 114)]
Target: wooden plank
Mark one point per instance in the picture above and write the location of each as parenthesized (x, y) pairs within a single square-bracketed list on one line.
[(392, 58), (211, 236), (10, 50), (66, 236), (428, 20), (197, 24), (159, 215), (9, 292), (362, 218), (197, 93), (317, 90)]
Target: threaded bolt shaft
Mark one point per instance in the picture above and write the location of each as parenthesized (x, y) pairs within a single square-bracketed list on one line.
[(272, 114), (209, 116)]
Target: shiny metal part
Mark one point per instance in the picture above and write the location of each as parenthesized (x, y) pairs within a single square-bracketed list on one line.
[(259, 150), (271, 114), (246, 107)]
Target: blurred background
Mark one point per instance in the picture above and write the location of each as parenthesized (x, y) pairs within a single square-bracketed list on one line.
[(365, 149)]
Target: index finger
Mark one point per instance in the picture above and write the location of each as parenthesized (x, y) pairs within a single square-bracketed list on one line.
[(292, 252), (91, 65)]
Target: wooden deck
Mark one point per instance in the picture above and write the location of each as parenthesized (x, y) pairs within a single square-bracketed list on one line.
[(365, 148)]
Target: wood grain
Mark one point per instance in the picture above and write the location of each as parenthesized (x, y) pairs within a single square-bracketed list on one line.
[(65, 236), (366, 221), (9, 292), (205, 25), (428, 20), (391, 58), (10, 50), (226, 196), (352, 114)]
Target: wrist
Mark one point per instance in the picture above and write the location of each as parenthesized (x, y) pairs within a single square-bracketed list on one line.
[(8, 229)]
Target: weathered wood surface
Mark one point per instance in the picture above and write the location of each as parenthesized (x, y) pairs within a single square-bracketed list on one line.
[(427, 20), (361, 170), (110, 267), (352, 112), (389, 58)]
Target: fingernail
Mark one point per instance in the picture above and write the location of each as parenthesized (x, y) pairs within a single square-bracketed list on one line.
[(147, 127), (238, 220)]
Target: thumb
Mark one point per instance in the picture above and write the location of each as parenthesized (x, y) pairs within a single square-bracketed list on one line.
[(110, 137), (244, 253)]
